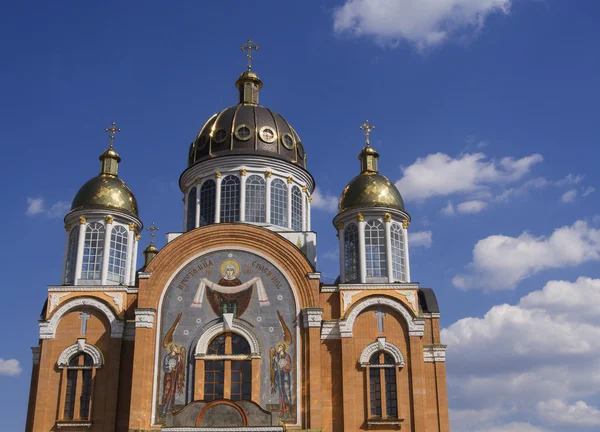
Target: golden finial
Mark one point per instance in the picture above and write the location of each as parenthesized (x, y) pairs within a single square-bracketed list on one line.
[(112, 130), (152, 228), (249, 47), (367, 128)]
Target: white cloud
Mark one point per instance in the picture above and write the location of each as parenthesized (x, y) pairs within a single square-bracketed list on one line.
[(569, 196), (588, 191), (473, 206), (420, 239), (442, 175), (448, 210), (504, 366), (321, 201), (424, 23), (500, 262), (514, 427), (10, 367), (37, 206)]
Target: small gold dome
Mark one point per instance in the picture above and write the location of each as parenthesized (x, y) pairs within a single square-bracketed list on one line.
[(370, 190), (106, 192)]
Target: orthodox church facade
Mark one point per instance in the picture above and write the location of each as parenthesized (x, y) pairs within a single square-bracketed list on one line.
[(228, 327)]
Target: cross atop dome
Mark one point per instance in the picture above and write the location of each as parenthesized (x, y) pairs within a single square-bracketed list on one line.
[(249, 47), (112, 130), (367, 128)]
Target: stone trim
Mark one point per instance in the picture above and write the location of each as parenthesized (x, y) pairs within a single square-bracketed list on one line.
[(329, 288), (330, 330), (84, 288), (117, 299), (35, 354), (144, 317), (221, 429), (382, 286), (381, 345), (73, 424), (144, 275), (314, 275), (54, 300), (312, 317), (48, 327), (347, 299), (410, 296), (81, 346), (434, 353), (236, 327), (430, 315)]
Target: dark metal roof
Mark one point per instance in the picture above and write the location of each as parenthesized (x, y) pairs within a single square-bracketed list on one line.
[(428, 301)]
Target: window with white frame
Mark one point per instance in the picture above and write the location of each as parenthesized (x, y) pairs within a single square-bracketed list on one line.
[(207, 202), (93, 250), (230, 199), (71, 255), (351, 267), (191, 209), (375, 249), (296, 209), (381, 382), (255, 199), (118, 254), (79, 382), (279, 194), (398, 264)]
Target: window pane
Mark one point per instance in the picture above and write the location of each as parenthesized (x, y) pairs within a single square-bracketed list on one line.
[(72, 255), (375, 391), (86, 394), (230, 199), (70, 394), (118, 254), (240, 380), (351, 253), (217, 345), (255, 199), (213, 382), (391, 401), (191, 209), (239, 344), (93, 252), (375, 249), (398, 265), (296, 209), (279, 194), (207, 202)]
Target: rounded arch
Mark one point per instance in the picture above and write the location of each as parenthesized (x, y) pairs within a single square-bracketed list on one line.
[(382, 345), (236, 327), (49, 327), (71, 351), (416, 326)]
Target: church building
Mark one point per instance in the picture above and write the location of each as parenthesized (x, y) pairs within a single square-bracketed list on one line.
[(229, 327)]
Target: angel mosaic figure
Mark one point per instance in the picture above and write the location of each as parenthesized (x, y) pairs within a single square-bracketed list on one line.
[(281, 372), (173, 368)]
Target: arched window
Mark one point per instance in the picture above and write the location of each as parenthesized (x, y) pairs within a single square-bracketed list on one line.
[(382, 381), (398, 264), (351, 267), (207, 202), (93, 250), (375, 249), (279, 193), (79, 380), (230, 199), (296, 209), (191, 209), (118, 254), (71, 255), (235, 364), (255, 199)]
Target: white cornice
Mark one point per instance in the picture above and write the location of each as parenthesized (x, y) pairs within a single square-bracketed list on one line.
[(86, 288)]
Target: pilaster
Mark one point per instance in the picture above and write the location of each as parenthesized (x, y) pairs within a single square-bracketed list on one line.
[(387, 222), (362, 248), (108, 224), (243, 179), (80, 244), (219, 180)]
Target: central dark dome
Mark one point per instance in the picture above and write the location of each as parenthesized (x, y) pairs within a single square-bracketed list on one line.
[(247, 130)]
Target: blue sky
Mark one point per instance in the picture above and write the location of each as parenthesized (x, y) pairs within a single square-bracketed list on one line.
[(486, 115)]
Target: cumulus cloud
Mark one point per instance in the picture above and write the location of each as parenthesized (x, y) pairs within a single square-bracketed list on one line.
[(37, 206), (473, 206), (10, 367), (424, 23), (500, 262), (420, 239), (569, 196), (448, 210), (588, 191), (323, 201), (515, 356), (442, 175)]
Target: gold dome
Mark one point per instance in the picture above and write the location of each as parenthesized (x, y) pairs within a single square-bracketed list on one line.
[(106, 192), (370, 190)]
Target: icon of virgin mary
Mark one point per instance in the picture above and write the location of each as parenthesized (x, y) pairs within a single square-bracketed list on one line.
[(230, 294)]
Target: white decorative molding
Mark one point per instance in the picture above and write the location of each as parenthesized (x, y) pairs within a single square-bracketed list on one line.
[(410, 296), (236, 327), (129, 333), (95, 288), (416, 326), (388, 347), (48, 327), (228, 321), (430, 315), (144, 275), (76, 348), (379, 286), (144, 318), (35, 354), (235, 429), (434, 353), (347, 297), (117, 299), (329, 288), (55, 299), (330, 330), (312, 317), (314, 275), (74, 424)]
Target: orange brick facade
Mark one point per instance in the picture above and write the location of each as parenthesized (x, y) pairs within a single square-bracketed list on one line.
[(336, 325)]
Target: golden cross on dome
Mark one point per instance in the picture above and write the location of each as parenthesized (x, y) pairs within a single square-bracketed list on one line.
[(250, 46), (367, 128), (152, 228), (112, 130)]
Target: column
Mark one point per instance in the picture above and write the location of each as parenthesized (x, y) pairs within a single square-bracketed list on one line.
[(80, 244), (311, 323), (185, 207), (340, 227), (387, 223), (108, 223), (130, 247), (290, 180), (134, 255), (197, 222), (243, 195), (66, 255), (218, 197), (362, 248), (268, 197), (308, 200), (406, 263), (304, 207)]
